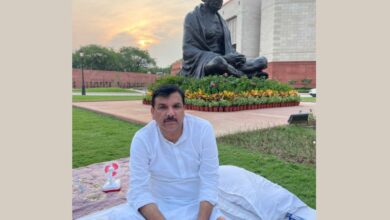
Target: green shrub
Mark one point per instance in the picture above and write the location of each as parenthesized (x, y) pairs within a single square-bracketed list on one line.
[(210, 90)]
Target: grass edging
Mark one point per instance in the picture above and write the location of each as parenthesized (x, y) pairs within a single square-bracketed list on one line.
[(79, 98)]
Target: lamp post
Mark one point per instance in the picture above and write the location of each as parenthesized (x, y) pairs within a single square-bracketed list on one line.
[(82, 75)]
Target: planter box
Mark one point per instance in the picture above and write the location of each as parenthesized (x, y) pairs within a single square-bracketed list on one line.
[(234, 108)]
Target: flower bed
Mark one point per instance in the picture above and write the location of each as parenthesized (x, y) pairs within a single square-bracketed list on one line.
[(225, 94)]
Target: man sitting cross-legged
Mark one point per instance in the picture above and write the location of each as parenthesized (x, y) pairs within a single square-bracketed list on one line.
[(174, 163)]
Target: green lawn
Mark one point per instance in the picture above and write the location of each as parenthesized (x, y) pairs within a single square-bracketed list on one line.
[(308, 99), (110, 89), (79, 98), (298, 178), (291, 143), (99, 138)]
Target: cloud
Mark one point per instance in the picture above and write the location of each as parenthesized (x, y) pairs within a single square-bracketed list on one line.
[(149, 24), (121, 39)]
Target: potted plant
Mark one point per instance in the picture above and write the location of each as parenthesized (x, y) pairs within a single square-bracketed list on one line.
[(223, 104), (202, 105), (235, 104), (195, 104), (241, 102), (147, 100), (278, 101), (263, 102), (251, 102), (214, 106), (257, 102), (188, 104)]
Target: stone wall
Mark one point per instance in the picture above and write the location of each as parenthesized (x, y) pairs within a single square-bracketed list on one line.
[(251, 21), (267, 28), (99, 78), (288, 31), (230, 10), (284, 71), (248, 17), (176, 67)]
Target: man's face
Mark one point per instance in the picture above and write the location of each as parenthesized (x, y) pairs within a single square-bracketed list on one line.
[(168, 112), (214, 4)]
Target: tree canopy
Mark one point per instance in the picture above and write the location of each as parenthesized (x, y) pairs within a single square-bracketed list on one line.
[(129, 59)]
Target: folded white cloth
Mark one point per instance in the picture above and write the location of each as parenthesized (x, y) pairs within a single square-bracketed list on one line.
[(243, 195), (246, 195)]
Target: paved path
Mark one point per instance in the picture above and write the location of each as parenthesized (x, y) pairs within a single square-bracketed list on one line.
[(306, 95), (108, 94), (223, 122), (136, 92)]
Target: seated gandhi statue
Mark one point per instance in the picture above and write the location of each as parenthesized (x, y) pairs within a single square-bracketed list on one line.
[(207, 47)]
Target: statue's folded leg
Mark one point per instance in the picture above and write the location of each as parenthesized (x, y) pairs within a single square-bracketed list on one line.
[(218, 65), (254, 65), (261, 74)]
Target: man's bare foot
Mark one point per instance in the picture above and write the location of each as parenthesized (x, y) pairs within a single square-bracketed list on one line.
[(220, 218)]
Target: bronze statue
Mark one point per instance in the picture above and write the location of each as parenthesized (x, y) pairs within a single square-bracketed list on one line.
[(207, 47)]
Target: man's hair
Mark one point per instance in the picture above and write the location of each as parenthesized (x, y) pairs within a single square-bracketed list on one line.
[(165, 91)]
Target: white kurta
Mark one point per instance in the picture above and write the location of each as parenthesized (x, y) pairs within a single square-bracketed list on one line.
[(175, 176)]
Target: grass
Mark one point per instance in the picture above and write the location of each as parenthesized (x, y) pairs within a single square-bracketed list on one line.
[(303, 90), (109, 89), (87, 98), (299, 179), (308, 99), (98, 138), (273, 153), (291, 143)]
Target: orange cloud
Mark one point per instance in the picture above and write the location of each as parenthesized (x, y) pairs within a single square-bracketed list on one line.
[(141, 23)]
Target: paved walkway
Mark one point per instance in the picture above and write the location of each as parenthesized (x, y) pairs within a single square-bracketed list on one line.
[(137, 92), (223, 122), (108, 94)]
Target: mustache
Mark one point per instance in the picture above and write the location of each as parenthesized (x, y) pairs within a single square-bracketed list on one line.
[(169, 119)]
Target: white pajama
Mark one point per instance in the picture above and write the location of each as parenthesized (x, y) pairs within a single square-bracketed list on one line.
[(175, 176)]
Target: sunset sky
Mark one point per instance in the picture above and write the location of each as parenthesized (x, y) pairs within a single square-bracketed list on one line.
[(154, 25)]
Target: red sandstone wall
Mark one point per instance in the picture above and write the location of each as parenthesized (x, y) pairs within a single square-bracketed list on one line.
[(282, 71), (176, 67), (293, 70), (99, 78)]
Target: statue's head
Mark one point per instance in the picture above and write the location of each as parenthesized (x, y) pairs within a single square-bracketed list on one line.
[(213, 4)]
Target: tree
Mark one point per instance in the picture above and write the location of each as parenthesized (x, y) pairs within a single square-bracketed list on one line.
[(136, 60), (96, 57), (101, 58)]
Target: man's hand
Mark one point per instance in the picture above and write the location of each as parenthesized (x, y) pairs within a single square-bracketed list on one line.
[(205, 209), (235, 59), (151, 212)]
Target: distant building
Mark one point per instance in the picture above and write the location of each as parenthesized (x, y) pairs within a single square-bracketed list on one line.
[(284, 31)]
